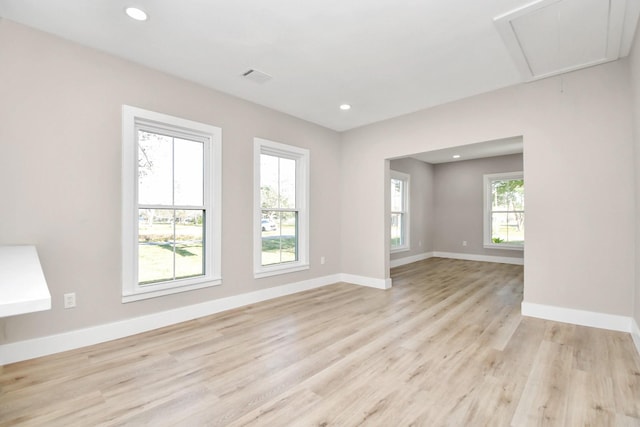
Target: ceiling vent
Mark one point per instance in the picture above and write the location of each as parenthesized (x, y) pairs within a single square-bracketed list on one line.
[(256, 76), (549, 37)]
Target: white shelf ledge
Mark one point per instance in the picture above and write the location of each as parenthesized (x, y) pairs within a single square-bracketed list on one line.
[(23, 288)]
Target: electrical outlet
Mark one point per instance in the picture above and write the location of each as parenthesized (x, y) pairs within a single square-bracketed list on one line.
[(322, 260), (70, 300), (464, 243)]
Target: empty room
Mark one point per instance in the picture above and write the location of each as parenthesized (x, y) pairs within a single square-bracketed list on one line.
[(320, 213)]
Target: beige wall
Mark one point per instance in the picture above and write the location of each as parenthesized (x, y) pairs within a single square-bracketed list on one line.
[(635, 85), (60, 134), (421, 206), (577, 158), (459, 204), (60, 178), (446, 204)]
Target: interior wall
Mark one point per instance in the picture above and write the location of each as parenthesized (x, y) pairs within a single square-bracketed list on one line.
[(634, 62), (421, 206), (60, 132), (577, 130), (459, 204)]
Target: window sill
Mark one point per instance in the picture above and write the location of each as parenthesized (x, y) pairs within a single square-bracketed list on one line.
[(274, 271), (504, 246), (148, 294), (400, 249)]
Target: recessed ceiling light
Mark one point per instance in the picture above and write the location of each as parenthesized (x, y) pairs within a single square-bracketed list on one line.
[(456, 156), (345, 107), (136, 13)]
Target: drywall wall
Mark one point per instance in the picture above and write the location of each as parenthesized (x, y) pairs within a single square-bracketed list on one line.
[(634, 63), (421, 207), (60, 133), (459, 204), (578, 157)]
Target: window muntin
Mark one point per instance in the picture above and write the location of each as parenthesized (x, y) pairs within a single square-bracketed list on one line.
[(171, 208), (281, 208), (504, 210), (399, 211)]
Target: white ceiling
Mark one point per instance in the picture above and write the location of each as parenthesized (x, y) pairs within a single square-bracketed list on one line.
[(384, 57)]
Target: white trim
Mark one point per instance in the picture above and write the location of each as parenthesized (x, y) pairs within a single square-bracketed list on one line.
[(211, 137), (281, 269), (593, 319), (486, 216), (170, 290), (302, 158), (29, 349), (406, 220), (635, 334), (483, 258), (507, 246), (370, 282), (408, 260)]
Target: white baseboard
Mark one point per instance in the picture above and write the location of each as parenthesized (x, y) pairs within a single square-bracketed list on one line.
[(37, 347), (635, 334), (366, 281), (408, 260), (593, 319), (484, 258)]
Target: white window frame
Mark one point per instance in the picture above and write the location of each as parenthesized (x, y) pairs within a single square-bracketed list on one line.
[(301, 156), (406, 223), (487, 179), (132, 119)]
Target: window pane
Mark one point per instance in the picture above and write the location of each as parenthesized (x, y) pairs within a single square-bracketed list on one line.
[(507, 228), (269, 191), (155, 245), (396, 230), (155, 173), (507, 195), (189, 243), (396, 195), (270, 237), (279, 237), (188, 172), (289, 236), (287, 183)]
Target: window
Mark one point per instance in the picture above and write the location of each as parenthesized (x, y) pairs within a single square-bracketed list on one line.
[(504, 210), (170, 206), (281, 208), (399, 211)]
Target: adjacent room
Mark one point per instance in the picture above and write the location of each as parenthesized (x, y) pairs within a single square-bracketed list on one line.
[(320, 213)]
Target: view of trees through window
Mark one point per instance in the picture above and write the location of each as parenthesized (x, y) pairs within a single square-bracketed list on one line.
[(507, 211), (170, 208), (279, 215)]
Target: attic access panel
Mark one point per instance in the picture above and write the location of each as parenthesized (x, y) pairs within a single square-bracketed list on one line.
[(550, 37)]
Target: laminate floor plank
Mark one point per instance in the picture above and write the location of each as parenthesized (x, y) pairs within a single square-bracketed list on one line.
[(446, 346)]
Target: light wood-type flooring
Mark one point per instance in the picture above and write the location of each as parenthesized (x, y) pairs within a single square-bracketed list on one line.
[(446, 346)]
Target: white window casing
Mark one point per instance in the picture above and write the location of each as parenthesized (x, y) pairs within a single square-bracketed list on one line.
[(302, 173), (488, 179), (402, 213), (135, 120)]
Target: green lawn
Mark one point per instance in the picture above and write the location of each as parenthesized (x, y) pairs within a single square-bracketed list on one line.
[(509, 234), (156, 252), (279, 245)]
